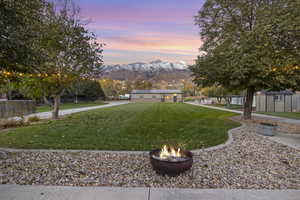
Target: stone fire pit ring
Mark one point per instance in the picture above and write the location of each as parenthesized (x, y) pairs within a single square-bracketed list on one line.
[(170, 168)]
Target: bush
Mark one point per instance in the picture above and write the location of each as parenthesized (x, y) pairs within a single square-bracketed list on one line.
[(99, 102), (34, 119), (188, 99), (11, 123)]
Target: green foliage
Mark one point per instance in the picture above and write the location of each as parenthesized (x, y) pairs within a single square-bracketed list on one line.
[(189, 88), (188, 99), (249, 45), (219, 91), (89, 90), (64, 50), (114, 88), (245, 41), (127, 127), (33, 119), (214, 91), (142, 85), (36, 87), (20, 31)]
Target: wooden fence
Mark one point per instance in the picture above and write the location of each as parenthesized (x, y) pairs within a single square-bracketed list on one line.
[(16, 108)]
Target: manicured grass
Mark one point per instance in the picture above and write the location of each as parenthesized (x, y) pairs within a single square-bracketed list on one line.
[(127, 127), (46, 108), (291, 115)]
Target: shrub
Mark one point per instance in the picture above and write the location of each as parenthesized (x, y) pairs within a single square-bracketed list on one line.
[(188, 99), (34, 119)]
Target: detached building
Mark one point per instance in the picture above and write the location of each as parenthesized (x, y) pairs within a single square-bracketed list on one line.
[(279, 101), (156, 96)]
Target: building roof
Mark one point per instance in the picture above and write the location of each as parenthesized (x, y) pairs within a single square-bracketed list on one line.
[(156, 92), (284, 92)]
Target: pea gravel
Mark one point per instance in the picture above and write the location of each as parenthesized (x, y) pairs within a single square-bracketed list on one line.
[(251, 161)]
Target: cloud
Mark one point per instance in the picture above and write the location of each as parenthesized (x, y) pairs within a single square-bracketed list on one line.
[(117, 56), (154, 41), (141, 31)]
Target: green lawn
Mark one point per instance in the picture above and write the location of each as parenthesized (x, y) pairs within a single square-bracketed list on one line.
[(127, 127), (291, 115), (46, 108)]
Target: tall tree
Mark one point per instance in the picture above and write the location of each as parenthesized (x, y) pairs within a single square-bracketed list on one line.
[(249, 45), (72, 53), (20, 30)]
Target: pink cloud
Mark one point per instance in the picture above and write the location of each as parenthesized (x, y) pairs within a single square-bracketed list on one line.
[(155, 41)]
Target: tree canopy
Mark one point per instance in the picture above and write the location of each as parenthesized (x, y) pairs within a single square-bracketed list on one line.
[(45, 47), (249, 45), (20, 30)]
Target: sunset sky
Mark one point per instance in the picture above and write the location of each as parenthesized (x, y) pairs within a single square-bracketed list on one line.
[(144, 30)]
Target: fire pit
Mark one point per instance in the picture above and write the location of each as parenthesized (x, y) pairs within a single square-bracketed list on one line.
[(169, 161)]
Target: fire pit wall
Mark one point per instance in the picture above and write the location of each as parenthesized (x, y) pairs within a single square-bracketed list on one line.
[(171, 168)]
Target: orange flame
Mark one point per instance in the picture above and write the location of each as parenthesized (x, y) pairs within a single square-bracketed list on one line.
[(169, 152)]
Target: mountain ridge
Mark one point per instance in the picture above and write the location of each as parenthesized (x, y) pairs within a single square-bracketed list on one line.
[(156, 70)]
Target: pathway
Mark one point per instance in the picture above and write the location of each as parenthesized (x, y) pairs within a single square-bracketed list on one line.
[(47, 115), (291, 140), (275, 118), (15, 192)]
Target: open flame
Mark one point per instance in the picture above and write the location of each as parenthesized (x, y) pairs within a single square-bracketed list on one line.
[(167, 152)]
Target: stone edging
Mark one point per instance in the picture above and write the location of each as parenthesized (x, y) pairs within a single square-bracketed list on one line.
[(219, 146)]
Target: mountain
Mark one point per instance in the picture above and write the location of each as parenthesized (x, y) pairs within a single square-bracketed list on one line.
[(154, 71)]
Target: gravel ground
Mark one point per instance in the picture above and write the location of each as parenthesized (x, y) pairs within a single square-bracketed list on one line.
[(251, 162)]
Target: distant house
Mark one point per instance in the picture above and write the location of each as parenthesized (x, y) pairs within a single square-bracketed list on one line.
[(156, 96), (278, 101)]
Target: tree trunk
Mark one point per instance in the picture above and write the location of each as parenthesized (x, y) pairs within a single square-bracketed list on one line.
[(248, 103), (76, 99), (55, 111), (228, 101), (9, 91), (47, 102)]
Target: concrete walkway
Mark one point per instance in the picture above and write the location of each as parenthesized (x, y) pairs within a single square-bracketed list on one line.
[(275, 118), (17, 192), (291, 140), (47, 115)]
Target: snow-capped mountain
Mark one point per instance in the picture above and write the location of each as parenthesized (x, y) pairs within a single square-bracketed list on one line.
[(155, 70), (156, 65)]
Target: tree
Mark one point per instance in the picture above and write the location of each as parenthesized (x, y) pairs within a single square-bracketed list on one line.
[(249, 45), (220, 93), (109, 88), (20, 28), (84, 90), (142, 85), (72, 53), (20, 31), (190, 89), (75, 90), (93, 90)]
